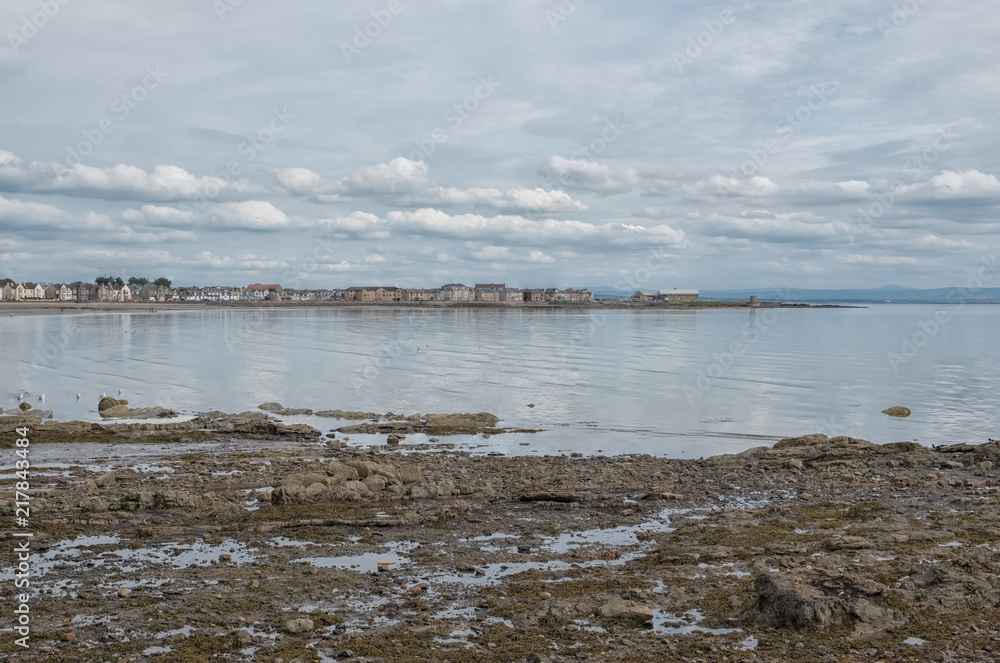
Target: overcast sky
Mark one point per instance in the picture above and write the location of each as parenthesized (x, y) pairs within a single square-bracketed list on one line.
[(582, 143)]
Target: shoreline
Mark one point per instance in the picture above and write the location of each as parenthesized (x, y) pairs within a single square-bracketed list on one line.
[(48, 307), (277, 546)]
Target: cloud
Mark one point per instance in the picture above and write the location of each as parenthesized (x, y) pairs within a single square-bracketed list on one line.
[(406, 182), (249, 215), (506, 229), (584, 175), (967, 185), (876, 260), (165, 183), (162, 216)]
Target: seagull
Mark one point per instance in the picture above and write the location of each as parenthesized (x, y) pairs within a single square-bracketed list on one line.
[(20, 396), (103, 395), (79, 396), (120, 392), (41, 397)]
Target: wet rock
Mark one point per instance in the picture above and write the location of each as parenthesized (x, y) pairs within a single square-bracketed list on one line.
[(342, 471), (168, 499), (25, 407), (108, 402), (551, 496), (897, 411), (352, 415), (297, 626), (393, 440), (410, 473), (820, 599), (279, 409), (619, 609)]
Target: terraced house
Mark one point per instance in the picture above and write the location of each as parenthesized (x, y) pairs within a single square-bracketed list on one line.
[(374, 294)]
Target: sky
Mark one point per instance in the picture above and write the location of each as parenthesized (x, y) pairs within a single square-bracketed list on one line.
[(632, 144)]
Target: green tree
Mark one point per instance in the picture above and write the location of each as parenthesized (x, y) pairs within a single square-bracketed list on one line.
[(137, 280), (9, 282), (164, 281)]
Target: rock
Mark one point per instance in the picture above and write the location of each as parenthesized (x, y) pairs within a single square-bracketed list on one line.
[(841, 542), (69, 637), (897, 411), (546, 496), (363, 467), (342, 471), (983, 468), (25, 407), (108, 402), (627, 611), (296, 626), (820, 599), (352, 415), (393, 440), (279, 409), (411, 473), (105, 480), (123, 592)]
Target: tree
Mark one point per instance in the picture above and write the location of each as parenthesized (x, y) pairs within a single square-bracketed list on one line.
[(164, 281), (137, 280), (9, 282), (118, 281), (103, 280)]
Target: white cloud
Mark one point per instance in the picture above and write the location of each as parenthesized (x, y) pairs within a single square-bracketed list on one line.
[(585, 175), (164, 183), (249, 215), (507, 229), (406, 182)]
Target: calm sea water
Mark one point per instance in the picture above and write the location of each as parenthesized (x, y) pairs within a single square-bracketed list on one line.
[(672, 383)]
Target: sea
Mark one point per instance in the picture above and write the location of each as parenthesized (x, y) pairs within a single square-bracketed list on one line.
[(673, 383)]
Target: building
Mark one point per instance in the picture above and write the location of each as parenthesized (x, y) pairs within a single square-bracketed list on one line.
[(25, 291), (512, 296), (421, 294), (670, 296), (456, 292), (491, 286), (488, 295), (534, 295), (8, 292), (374, 294), (261, 291), (579, 295)]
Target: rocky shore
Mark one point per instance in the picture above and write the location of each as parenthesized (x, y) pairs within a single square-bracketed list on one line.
[(817, 549)]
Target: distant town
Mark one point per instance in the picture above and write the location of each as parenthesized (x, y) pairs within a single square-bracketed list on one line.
[(114, 289)]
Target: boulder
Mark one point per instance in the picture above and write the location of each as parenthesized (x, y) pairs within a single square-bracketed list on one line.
[(298, 626), (108, 402), (627, 611), (897, 411), (410, 473), (341, 471), (821, 599)]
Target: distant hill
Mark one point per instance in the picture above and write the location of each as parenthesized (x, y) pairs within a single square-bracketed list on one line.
[(889, 293)]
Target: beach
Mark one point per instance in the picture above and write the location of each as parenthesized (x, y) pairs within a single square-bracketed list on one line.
[(250, 540)]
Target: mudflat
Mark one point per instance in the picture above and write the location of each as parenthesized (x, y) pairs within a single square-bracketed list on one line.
[(267, 544)]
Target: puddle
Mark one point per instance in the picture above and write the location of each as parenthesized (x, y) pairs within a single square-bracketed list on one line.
[(366, 562), (182, 555), (667, 624), (916, 642)]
